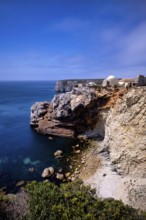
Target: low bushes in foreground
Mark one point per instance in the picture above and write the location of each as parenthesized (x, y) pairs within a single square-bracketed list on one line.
[(75, 201), (70, 201)]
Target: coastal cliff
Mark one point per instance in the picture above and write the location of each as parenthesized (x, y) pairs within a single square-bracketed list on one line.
[(68, 114), (117, 117), (125, 133), (122, 174), (68, 85)]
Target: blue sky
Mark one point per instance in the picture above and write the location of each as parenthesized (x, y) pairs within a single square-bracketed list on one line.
[(67, 39)]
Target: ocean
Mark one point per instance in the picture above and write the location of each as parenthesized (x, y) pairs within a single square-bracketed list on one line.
[(20, 146)]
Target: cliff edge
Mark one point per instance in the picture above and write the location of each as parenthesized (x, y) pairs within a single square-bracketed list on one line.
[(122, 174), (68, 114), (118, 117), (125, 133)]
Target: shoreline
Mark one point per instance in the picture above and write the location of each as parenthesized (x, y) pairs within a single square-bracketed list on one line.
[(94, 168), (102, 176), (65, 166), (117, 117)]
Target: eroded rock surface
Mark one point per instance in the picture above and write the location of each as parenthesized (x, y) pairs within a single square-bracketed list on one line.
[(68, 114), (65, 85), (125, 133), (123, 151)]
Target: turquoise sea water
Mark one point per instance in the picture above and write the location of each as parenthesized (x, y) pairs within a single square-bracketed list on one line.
[(21, 147)]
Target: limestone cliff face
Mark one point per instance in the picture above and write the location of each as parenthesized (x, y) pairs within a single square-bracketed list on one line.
[(123, 149), (125, 133)]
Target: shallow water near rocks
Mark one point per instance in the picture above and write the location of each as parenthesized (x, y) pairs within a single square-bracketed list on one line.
[(20, 147)]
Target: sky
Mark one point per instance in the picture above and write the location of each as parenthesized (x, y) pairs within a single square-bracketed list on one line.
[(70, 39)]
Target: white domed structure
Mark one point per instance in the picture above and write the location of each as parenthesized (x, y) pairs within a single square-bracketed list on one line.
[(110, 77), (112, 80)]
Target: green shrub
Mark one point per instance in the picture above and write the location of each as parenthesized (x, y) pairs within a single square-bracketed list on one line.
[(74, 201)]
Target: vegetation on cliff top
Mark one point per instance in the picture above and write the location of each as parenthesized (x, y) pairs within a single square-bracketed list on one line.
[(70, 201)]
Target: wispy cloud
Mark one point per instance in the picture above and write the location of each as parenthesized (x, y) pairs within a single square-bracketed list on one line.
[(120, 47), (70, 25), (133, 46)]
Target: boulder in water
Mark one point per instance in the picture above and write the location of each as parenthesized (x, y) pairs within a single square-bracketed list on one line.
[(59, 176), (47, 172), (58, 153)]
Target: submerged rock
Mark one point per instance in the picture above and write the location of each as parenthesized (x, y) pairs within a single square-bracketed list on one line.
[(31, 169), (20, 183), (50, 138), (58, 153)]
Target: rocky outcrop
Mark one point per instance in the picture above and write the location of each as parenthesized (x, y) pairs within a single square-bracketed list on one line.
[(43, 122), (38, 110), (58, 153), (47, 172), (68, 114), (65, 85), (59, 176)]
